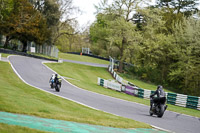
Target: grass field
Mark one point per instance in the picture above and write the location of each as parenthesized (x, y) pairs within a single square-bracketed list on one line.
[(81, 58), (4, 128), (86, 78), (4, 55), (17, 97), (41, 55)]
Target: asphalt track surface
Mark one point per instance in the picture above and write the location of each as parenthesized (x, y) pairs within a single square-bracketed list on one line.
[(33, 72)]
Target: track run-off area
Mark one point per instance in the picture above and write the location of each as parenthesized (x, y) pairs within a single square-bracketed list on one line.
[(33, 72)]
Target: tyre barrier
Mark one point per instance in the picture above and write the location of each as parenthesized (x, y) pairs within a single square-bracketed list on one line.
[(129, 88)]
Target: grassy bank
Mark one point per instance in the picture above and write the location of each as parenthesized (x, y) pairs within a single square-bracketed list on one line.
[(4, 128), (4, 55), (81, 58), (42, 55), (17, 97), (86, 78)]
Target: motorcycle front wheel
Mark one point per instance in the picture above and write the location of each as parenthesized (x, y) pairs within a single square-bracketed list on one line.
[(51, 86), (150, 112), (57, 88), (161, 112)]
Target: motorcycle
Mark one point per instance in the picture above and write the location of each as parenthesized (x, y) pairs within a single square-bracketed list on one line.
[(158, 107), (56, 85)]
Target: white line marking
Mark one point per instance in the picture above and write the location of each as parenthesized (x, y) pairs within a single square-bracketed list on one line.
[(162, 129)]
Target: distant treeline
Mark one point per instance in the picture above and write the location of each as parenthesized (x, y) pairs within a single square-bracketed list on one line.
[(162, 41)]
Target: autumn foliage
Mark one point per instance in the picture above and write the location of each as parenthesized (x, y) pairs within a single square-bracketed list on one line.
[(24, 23)]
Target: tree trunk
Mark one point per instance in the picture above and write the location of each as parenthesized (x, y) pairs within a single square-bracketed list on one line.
[(6, 42), (122, 54), (24, 46), (120, 66)]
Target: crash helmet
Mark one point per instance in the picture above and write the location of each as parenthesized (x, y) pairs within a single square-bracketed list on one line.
[(159, 87)]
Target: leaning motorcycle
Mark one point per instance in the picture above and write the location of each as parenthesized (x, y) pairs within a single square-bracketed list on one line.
[(158, 107), (56, 85), (52, 84)]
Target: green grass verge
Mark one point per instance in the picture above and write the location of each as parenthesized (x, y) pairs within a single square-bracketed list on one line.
[(86, 78), (4, 128), (81, 58), (17, 97), (4, 55), (42, 55)]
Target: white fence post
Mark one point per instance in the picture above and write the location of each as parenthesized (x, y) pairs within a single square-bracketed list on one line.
[(60, 60)]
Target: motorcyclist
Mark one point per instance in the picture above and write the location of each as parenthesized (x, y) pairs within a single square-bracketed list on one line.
[(58, 79), (52, 79), (160, 93)]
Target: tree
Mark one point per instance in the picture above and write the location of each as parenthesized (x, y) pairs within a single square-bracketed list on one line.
[(185, 72), (64, 37), (175, 10), (156, 48), (57, 14), (187, 7), (6, 6), (5, 11), (169, 59), (51, 12), (24, 23), (117, 21), (98, 35)]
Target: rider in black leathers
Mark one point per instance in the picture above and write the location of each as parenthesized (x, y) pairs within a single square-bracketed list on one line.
[(160, 93), (57, 79)]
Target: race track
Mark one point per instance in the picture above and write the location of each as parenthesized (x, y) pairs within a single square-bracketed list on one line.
[(33, 72)]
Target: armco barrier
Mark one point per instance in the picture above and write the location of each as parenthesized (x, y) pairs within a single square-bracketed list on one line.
[(102, 82), (114, 75), (109, 84), (119, 79), (114, 86), (192, 102), (171, 98), (131, 90), (181, 100), (112, 71), (109, 69), (124, 82), (147, 94), (141, 93)]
